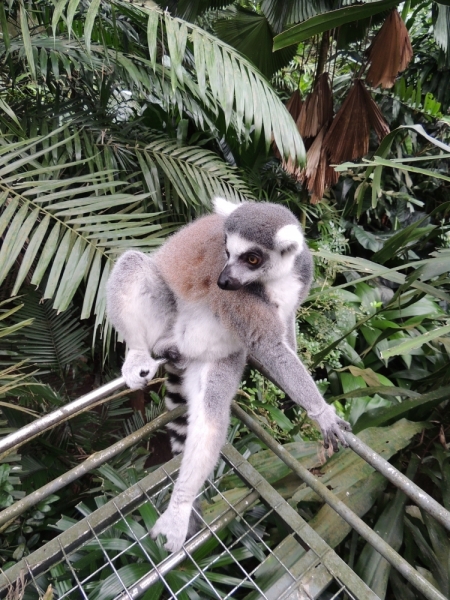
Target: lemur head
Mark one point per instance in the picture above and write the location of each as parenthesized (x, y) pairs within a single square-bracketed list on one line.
[(262, 241)]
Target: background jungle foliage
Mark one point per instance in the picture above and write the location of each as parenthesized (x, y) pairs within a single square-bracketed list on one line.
[(118, 124)]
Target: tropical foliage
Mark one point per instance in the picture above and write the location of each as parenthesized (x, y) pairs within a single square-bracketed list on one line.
[(118, 124)]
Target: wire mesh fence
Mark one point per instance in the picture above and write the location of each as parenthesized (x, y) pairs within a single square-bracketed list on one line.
[(109, 553)]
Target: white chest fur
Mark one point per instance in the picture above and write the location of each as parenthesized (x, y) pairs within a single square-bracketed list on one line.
[(284, 292), (200, 335)]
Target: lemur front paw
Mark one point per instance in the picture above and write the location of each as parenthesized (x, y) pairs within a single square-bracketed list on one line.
[(173, 524), (139, 368), (332, 427)]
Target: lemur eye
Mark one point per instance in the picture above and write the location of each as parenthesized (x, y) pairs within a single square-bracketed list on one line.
[(253, 260)]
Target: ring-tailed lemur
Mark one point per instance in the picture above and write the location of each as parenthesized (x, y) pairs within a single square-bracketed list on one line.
[(222, 289)]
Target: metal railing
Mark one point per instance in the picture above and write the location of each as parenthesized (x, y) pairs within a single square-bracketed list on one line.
[(319, 559)]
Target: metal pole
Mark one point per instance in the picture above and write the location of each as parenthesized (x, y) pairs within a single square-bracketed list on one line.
[(89, 464), (400, 481), (399, 563), (25, 434)]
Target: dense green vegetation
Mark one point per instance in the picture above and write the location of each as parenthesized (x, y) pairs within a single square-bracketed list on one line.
[(118, 123)]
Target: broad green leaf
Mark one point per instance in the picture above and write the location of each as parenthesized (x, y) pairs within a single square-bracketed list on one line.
[(378, 416), (70, 282), (71, 11), (346, 468), (330, 20), (9, 111), (273, 468), (31, 252), (114, 584)]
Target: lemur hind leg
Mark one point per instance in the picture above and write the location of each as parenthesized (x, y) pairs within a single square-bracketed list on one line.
[(177, 428), (142, 309), (210, 388)]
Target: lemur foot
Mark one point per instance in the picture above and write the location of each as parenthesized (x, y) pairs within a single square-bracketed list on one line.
[(139, 368), (332, 427), (174, 525), (169, 351)]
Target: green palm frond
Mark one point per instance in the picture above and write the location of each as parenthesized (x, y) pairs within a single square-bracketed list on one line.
[(51, 340), (192, 60), (66, 231)]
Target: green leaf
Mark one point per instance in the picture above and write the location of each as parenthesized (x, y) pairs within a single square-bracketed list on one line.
[(31, 252), (152, 36), (330, 20), (71, 11), (371, 566), (251, 35), (23, 17), (15, 239), (47, 253), (89, 23), (378, 416), (114, 584), (345, 469), (59, 8), (58, 264), (414, 342)]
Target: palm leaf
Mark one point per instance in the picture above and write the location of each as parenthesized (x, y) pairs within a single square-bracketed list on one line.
[(332, 19), (50, 340), (189, 50), (68, 231), (251, 35)]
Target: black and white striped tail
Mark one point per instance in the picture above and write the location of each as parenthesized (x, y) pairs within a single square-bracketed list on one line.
[(174, 397), (178, 431)]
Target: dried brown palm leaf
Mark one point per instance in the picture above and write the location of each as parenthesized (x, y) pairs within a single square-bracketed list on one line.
[(317, 110), (349, 133), (318, 174), (389, 53), (292, 169), (294, 105)]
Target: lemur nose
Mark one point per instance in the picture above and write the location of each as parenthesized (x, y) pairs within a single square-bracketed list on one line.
[(225, 282)]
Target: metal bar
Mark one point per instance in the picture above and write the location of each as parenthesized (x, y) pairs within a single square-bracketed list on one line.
[(412, 490), (74, 537), (25, 434), (399, 563), (400, 481), (337, 567), (89, 464)]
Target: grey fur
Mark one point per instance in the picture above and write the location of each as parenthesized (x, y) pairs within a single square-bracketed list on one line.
[(204, 306), (261, 225)]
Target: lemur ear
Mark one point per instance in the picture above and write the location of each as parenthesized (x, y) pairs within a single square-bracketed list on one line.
[(223, 207), (289, 239)]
